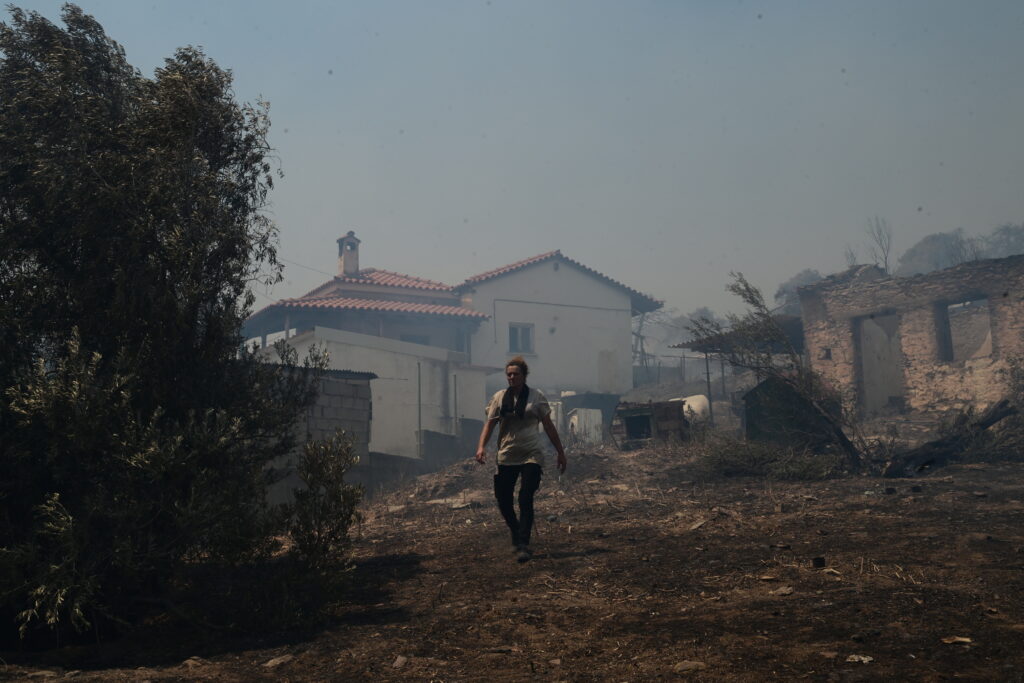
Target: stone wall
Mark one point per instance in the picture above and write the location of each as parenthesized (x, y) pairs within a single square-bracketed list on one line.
[(931, 338)]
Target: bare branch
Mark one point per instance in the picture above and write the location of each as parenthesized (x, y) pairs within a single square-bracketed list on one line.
[(880, 247)]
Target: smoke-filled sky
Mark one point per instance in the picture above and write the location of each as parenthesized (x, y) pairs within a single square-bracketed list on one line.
[(662, 142)]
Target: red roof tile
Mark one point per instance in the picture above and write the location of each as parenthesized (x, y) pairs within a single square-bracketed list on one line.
[(386, 278), (641, 301), (353, 304), (511, 267)]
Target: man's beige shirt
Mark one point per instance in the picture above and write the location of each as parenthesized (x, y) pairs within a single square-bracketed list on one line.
[(519, 439)]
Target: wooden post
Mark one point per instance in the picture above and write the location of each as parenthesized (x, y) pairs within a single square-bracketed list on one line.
[(707, 377), (419, 412)]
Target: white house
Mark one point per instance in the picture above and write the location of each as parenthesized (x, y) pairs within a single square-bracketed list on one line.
[(438, 351), (572, 324), (412, 333), (417, 387)]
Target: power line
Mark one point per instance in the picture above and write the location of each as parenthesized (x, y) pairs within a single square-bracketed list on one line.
[(300, 265), (256, 291)]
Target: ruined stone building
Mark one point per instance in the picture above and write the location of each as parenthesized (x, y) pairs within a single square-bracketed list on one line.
[(927, 343)]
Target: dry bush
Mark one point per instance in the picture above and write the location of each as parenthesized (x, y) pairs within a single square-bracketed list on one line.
[(726, 457)]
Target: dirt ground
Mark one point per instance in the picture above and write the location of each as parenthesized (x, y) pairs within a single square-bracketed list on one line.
[(641, 572)]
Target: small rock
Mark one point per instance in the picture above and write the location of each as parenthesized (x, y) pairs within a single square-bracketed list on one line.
[(782, 590), (829, 654), (687, 665), (767, 577), (980, 494), (555, 662), (278, 661), (193, 662), (396, 508), (867, 634), (863, 659), (399, 662), (552, 518)]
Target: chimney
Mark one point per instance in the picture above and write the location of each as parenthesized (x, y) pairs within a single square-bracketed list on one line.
[(348, 255)]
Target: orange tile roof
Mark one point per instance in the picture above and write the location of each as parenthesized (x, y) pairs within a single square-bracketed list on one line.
[(641, 301), (354, 304), (511, 267), (385, 278)]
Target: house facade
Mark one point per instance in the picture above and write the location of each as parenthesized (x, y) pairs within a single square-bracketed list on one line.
[(438, 351), (412, 333), (572, 324)]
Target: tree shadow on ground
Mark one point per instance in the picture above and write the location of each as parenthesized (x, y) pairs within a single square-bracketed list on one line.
[(170, 639)]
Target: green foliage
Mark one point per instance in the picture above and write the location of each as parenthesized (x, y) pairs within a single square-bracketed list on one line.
[(135, 432), (947, 249), (939, 250), (325, 508), (756, 341), (1005, 240)]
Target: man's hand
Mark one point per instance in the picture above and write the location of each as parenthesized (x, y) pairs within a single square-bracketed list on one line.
[(561, 462), (481, 455)]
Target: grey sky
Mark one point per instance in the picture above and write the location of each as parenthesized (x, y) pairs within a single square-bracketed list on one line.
[(662, 143)]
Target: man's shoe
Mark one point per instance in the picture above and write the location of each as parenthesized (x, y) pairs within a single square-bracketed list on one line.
[(524, 554)]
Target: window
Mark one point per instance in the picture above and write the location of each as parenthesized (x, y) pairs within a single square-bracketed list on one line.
[(964, 330), (520, 338)]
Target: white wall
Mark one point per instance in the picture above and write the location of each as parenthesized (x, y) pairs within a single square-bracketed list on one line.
[(582, 328), (396, 401)]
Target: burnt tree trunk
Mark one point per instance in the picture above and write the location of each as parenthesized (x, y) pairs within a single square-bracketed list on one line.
[(939, 452)]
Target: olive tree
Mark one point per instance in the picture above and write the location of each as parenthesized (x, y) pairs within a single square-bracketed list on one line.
[(135, 431)]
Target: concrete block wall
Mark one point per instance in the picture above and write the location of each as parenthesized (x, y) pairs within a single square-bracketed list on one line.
[(344, 403)]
